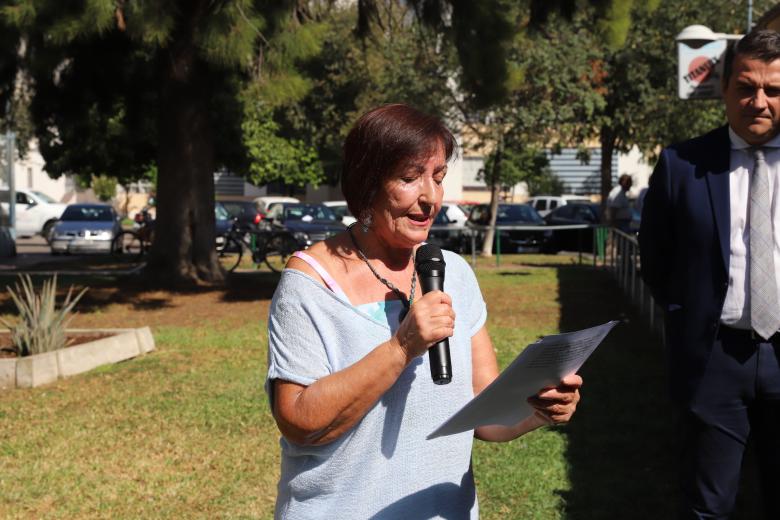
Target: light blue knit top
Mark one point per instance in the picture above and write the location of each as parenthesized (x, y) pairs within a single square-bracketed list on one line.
[(383, 468)]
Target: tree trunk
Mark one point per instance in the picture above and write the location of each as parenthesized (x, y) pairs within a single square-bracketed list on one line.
[(183, 251), (126, 205), (607, 138), (495, 191)]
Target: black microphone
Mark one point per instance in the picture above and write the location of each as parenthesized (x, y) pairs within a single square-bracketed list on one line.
[(429, 263)]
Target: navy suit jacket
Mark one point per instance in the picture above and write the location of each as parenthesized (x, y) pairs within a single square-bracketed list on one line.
[(684, 245)]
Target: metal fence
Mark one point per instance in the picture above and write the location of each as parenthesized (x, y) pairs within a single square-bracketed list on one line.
[(594, 248), (610, 249), (625, 266)]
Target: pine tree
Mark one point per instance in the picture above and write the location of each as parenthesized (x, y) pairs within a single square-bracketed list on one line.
[(122, 85)]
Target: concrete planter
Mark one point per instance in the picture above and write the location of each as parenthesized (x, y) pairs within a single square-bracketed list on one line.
[(30, 371)]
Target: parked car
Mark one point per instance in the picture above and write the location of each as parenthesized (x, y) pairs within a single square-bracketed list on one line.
[(454, 213), (249, 218), (512, 241), (308, 223), (466, 207), (445, 232), (36, 212), (85, 228), (264, 203), (544, 204), (341, 210), (222, 223), (572, 239)]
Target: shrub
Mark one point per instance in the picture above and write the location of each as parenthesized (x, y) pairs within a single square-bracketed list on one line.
[(41, 326), (104, 187)]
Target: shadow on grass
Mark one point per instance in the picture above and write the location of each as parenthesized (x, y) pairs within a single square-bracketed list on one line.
[(622, 445), (258, 285), (142, 294)]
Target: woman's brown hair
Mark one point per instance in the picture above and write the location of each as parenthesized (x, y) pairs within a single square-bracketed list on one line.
[(381, 142)]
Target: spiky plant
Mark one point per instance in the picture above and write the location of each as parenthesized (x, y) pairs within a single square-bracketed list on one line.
[(41, 326)]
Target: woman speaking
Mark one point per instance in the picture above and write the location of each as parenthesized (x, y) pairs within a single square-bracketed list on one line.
[(350, 387)]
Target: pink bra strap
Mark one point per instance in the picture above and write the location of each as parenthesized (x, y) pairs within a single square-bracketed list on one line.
[(329, 281)]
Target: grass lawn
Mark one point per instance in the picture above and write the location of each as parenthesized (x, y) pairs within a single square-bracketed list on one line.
[(185, 432)]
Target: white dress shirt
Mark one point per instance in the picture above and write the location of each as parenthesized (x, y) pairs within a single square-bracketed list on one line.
[(736, 308)]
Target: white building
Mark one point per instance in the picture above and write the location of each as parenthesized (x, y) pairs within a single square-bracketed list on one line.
[(29, 174)]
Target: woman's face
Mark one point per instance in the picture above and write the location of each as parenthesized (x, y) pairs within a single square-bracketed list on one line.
[(404, 210)]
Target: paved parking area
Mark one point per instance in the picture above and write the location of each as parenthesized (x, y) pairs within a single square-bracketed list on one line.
[(33, 255)]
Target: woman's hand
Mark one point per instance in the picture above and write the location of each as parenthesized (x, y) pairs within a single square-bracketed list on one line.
[(556, 405), (430, 320)]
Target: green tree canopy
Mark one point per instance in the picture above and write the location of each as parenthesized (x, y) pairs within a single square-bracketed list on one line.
[(194, 86), (639, 79), (121, 86)]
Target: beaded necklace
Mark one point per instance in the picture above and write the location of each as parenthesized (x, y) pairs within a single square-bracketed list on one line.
[(388, 283)]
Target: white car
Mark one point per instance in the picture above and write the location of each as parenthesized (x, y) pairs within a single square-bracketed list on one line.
[(341, 210), (544, 204), (454, 214), (264, 203), (36, 212)]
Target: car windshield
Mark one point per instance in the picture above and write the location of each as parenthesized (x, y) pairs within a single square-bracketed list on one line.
[(240, 209), (308, 212), (517, 213), (340, 211), (220, 212), (441, 217), (44, 197), (87, 213)]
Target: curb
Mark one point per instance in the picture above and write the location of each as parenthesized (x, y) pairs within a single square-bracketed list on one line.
[(41, 369)]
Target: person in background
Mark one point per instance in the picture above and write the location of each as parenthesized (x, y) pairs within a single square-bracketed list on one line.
[(618, 204), (710, 250), (348, 378)]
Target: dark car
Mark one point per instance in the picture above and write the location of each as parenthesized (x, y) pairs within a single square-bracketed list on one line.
[(222, 223), (445, 233), (575, 213), (512, 240), (249, 218), (308, 223)]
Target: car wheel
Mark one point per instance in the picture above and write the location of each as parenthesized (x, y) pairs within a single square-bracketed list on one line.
[(48, 231)]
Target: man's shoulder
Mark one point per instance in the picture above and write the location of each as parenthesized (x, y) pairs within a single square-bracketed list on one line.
[(717, 136), (707, 152)]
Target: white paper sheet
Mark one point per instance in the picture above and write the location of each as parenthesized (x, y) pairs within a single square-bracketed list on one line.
[(541, 364)]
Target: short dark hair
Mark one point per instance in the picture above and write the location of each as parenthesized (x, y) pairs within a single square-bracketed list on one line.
[(761, 44), (383, 140)]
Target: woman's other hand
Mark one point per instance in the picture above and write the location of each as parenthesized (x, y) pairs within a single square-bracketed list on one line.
[(556, 405), (430, 320)]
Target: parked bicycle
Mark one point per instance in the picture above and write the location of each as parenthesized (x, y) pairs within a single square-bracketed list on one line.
[(263, 246), (133, 244)]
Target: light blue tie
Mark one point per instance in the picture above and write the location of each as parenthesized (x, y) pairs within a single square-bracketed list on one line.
[(764, 309)]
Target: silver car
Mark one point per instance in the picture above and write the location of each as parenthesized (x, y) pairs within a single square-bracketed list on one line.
[(85, 228)]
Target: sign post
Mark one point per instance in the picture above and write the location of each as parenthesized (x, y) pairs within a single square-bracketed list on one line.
[(7, 231), (700, 56), (9, 148)]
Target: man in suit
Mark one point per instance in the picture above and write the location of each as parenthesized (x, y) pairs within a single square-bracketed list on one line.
[(710, 251)]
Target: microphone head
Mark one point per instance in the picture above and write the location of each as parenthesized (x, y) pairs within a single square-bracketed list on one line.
[(429, 258)]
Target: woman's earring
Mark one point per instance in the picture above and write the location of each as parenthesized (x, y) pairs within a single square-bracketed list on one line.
[(365, 223)]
